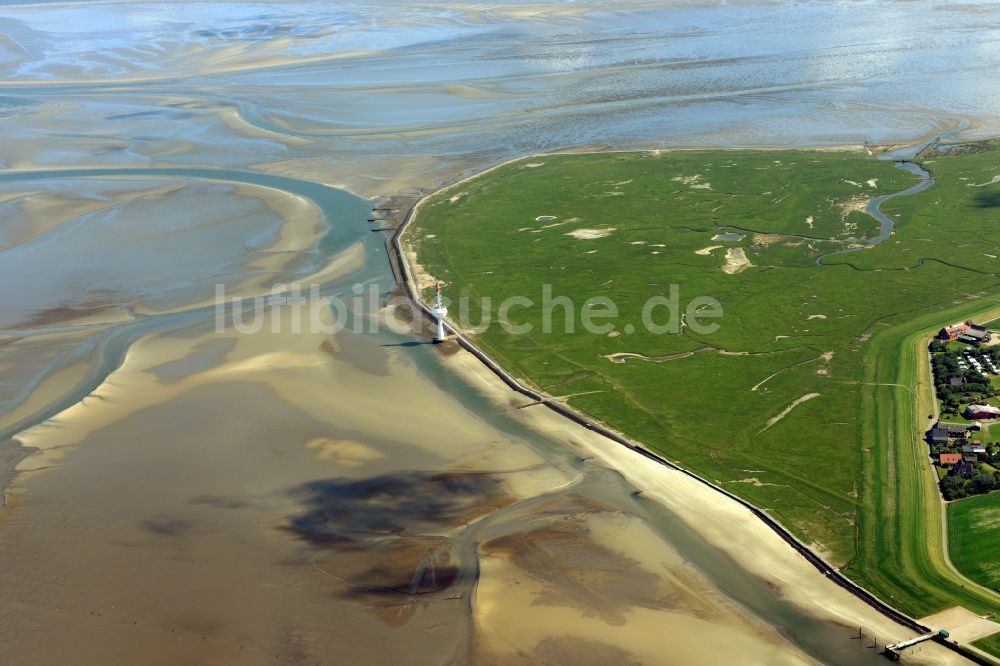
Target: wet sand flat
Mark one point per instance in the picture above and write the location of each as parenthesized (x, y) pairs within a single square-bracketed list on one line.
[(223, 549), (595, 586), (240, 539), (110, 244)]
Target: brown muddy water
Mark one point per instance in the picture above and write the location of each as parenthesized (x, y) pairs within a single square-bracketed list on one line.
[(181, 494)]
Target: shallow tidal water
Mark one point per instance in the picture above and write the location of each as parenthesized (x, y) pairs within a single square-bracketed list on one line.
[(203, 496)]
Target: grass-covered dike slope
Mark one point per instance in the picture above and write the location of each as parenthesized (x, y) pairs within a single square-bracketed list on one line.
[(804, 400)]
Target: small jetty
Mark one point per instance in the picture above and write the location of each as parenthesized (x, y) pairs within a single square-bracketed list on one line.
[(895, 651)]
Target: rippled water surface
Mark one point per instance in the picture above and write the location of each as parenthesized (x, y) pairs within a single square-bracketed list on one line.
[(378, 95)]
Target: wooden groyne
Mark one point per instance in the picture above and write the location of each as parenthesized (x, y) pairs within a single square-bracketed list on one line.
[(405, 210), (391, 217)]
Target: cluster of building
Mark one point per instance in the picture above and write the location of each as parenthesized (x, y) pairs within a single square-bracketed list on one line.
[(942, 433), (952, 441), (962, 463), (966, 332)]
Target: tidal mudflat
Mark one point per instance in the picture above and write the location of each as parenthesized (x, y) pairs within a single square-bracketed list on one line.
[(212, 497), (224, 497)]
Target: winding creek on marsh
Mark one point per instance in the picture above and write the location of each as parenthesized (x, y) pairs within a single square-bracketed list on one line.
[(204, 496), (903, 157)]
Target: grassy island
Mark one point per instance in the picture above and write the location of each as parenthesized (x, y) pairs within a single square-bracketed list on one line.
[(811, 397)]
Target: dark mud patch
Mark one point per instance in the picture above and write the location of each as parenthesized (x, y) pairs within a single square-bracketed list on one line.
[(204, 356), (580, 652), (392, 578), (562, 650), (64, 313), (92, 303), (11, 454), (363, 352), (408, 313), (219, 502), (338, 510), (578, 572), (449, 347), (408, 567), (384, 542), (168, 526)]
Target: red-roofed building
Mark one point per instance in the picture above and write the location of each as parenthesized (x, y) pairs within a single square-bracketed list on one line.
[(949, 458), (982, 412), (952, 332), (965, 332)]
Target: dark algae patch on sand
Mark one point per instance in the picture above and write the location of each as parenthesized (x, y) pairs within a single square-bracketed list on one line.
[(11, 454)]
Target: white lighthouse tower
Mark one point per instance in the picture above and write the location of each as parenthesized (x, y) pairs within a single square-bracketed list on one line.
[(440, 312)]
